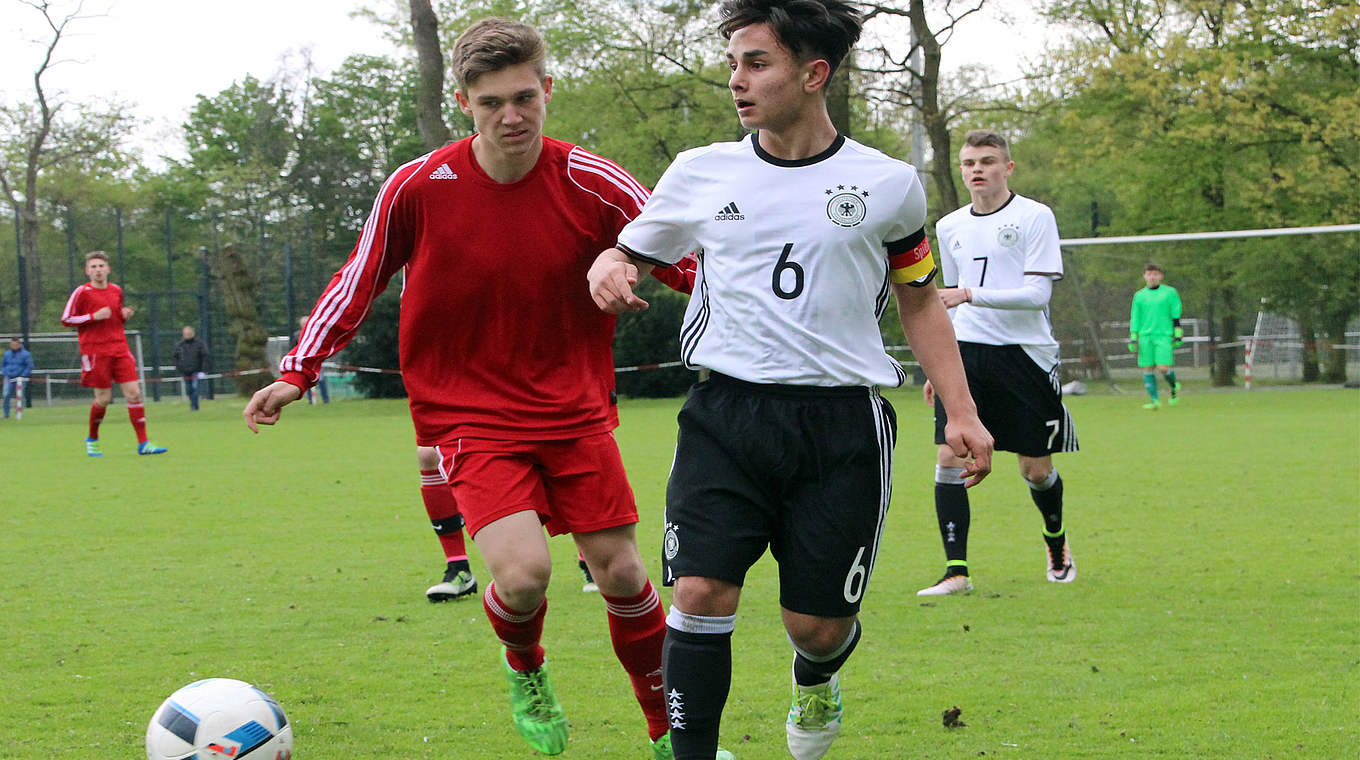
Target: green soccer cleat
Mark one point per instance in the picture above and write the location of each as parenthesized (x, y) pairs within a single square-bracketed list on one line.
[(814, 719), (661, 750), (1152, 405), (1175, 394), (534, 707), (147, 448), (92, 448)]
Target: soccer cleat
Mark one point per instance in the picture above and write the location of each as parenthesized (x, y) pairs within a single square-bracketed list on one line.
[(92, 448), (661, 750), (457, 584), (1175, 394), (534, 707), (1064, 570), (1153, 405), (814, 719), (950, 584), (147, 447), (589, 586)]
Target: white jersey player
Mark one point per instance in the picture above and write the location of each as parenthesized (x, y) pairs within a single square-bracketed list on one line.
[(803, 236), (1000, 257)]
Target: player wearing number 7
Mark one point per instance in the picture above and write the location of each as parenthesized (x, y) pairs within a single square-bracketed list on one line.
[(999, 257), (803, 237)]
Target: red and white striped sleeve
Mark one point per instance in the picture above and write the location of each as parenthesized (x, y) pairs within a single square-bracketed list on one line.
[(70, 316), (607, 181), (680, 275), (383, 248)]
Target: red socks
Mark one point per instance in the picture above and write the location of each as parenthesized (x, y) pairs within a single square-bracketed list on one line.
[(96, 417), (637, 628), (443, 511), (520, 632), (137, 413)]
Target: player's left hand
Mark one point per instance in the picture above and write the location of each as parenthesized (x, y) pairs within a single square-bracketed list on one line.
[(971, 442), (611, 280)]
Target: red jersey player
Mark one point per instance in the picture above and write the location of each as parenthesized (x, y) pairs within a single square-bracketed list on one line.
[(506, 360), (97, 312)]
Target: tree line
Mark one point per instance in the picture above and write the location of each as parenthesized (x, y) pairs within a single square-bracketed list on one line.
[(1150, 116)]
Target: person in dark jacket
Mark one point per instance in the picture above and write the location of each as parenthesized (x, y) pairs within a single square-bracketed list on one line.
[(191, 361)]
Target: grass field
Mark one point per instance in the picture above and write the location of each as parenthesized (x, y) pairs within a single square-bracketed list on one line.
[(1216, 613)]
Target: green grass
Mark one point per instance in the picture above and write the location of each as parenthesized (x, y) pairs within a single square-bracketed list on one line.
[(1216, 613)]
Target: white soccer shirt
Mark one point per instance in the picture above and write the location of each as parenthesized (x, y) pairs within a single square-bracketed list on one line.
[(793, 258), (997, 250)]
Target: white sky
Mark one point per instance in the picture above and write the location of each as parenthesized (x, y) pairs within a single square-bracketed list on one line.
[(160, 54)]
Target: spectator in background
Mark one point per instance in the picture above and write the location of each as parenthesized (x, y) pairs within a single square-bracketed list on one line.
[(191, 361), (17, 367)]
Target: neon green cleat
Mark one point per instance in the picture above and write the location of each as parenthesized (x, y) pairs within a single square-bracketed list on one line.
[(1175, 394), (534, 707), (1153, 405), (661, 750)]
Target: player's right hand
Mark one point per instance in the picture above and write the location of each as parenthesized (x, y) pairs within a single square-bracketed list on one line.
[(971, 442), (267, 404), (611, 280), (102, 314), (928, 393)]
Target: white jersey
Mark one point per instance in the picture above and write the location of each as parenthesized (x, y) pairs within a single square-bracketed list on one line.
[(997, 250), (794, 258)]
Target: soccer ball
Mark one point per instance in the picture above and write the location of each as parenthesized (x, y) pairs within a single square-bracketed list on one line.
[(219, 719)]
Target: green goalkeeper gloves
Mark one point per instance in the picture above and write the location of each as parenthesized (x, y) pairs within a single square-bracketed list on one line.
[(1133, 343), (1177, 337)]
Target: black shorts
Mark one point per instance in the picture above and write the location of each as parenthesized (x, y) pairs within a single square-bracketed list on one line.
[(1018, 402), (806, 471)]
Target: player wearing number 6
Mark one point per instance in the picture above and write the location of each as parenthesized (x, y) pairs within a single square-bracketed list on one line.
[(803, 237), (999, 257)]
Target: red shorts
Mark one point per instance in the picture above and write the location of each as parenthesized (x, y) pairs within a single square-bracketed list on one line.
[(103, 370), (575, 485)]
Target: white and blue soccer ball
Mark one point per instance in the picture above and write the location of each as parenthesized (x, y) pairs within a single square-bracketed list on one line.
[(219, 719)]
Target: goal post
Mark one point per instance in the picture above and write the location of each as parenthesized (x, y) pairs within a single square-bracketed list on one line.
[(1090, 318)]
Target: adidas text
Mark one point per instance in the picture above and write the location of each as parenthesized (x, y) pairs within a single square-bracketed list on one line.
[(443, 172), (729, 213)]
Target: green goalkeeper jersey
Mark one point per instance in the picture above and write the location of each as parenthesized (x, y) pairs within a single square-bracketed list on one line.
[(1154, 309)]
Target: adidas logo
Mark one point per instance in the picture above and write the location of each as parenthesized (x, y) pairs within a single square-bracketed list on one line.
[(730, 213), (957, 245), (443, 172)]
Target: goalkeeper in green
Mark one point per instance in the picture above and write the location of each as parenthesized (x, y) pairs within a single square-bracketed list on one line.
[(1154, 332)]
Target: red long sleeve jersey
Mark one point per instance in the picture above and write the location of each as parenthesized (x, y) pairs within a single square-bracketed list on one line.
[(499, 337), (103, 337)]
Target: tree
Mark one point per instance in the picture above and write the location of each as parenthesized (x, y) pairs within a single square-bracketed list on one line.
[(430, 92), (1216, 114), (38, 137)]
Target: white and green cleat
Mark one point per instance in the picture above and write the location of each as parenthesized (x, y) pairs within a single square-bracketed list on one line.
[(814, 719)]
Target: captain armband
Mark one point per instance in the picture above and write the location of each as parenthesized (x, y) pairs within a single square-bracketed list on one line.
[(910, 262)]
